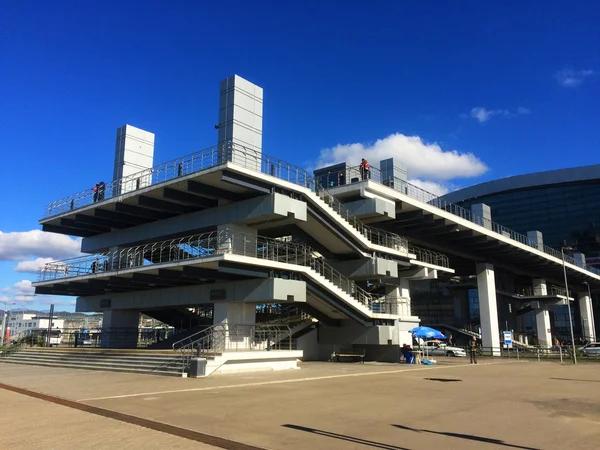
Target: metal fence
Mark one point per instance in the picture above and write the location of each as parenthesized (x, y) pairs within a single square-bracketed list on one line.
[(77, 337)]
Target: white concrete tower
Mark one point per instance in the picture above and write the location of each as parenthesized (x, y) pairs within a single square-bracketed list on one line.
[(240, 122), (134, 156)]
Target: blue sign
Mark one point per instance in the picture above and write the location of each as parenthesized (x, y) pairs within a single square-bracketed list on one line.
[(508, 338)]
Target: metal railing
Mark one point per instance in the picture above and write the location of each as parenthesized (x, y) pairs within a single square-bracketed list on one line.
[(429, 256), (77, 337), (204, 246), (222, 338), (531, 291)]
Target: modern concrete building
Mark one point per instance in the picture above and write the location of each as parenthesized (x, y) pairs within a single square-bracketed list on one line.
[(291, 264)]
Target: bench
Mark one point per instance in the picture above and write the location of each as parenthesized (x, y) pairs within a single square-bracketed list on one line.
[(348, 353)]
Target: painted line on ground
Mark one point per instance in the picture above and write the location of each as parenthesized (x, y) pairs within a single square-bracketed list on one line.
[(133, 420), (294, 380)]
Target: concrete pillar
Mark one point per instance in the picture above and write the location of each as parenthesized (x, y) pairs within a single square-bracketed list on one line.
[(587, 316), (542, 325), (134, 156), (402, 296), (536, 239), (488, 310), (239, 320), (237, 239), (482, 215), (240, 122), (120, 328), (539, 287), (392, 172), (579, 259)]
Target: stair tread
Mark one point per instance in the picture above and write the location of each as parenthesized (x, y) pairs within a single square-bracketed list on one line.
[(84, 367)]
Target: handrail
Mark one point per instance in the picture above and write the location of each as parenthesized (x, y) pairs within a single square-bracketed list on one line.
[(204, 246), (226, 337), (221, 154), (530, 291)]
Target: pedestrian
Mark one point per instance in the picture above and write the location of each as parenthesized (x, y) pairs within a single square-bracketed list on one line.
[(450, 340), (364, 169), (473, 350), (101, 189)]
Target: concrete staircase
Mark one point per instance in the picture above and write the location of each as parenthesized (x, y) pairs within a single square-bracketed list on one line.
[(167, 363)]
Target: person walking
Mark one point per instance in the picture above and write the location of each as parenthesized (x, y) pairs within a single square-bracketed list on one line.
[(473, 350)]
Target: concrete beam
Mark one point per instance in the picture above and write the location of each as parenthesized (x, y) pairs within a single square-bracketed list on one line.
[(369, 207), (268, 206), (367, 268), (272, 290)]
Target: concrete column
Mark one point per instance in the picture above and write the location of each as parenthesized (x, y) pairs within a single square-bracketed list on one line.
[(402, 295), (240, 122), (238, 319), (237, 239), (579, 259), (488, 310), (542, 325), (587, 316), (120, 328), (537, 239), (539, 287), (482, 215), (134, 156), (392, 172)]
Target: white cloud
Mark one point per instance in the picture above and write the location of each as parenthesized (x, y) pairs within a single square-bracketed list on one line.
[(431, 186), (23, 290), (16, 246), (32, 266), (572, 78), (482, 114), (422, 160)]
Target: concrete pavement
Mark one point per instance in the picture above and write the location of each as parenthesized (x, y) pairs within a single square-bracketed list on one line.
[(528, 405)]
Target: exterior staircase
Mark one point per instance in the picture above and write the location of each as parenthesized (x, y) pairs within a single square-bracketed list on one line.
[(147, 362)]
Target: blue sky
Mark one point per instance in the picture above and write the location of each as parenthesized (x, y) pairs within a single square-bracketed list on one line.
[(462, 91)]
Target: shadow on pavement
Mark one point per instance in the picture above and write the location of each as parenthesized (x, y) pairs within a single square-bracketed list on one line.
[(576, 379), (343, 437), (469, 437)]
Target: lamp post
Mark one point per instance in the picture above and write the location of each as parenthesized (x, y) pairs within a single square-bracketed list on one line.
[(592, 324), (562, 253)]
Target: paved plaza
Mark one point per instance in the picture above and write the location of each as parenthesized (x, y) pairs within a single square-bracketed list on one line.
[(453, 405)]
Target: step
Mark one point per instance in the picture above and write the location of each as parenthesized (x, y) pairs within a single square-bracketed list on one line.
[(105, 363), (99, 356), (85, 367), (84, 354)]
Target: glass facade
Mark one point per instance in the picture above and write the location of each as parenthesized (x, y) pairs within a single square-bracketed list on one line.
[(563, 213)]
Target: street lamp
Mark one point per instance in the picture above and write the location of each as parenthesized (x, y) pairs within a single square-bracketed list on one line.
[(592, 324), (562, 253)]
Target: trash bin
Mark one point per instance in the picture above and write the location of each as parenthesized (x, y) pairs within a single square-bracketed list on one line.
[(197, 368)]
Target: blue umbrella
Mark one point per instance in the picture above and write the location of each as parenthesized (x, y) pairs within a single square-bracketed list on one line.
[(427, 333)]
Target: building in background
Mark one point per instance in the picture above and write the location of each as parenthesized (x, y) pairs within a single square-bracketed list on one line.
[(564, 205)]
